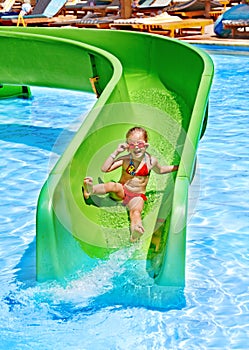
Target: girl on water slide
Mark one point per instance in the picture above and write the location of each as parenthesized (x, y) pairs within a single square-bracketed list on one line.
[(136, 168)]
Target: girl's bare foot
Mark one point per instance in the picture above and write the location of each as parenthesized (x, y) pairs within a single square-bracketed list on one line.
[(136, 232), (88, 187)]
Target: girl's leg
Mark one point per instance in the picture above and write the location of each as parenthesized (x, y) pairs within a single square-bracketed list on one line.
[(135, 207), (104, 188), (114, 187)]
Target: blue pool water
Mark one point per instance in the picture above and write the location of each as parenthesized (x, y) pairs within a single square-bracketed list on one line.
[(112, 308)]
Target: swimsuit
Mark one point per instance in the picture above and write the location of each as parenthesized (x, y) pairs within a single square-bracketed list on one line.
[(131, 170), (129, 195)]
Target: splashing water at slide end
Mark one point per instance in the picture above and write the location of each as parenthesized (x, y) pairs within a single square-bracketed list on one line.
[(162, 85)]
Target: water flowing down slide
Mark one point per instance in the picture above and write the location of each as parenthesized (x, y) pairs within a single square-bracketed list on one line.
[(159, 83)]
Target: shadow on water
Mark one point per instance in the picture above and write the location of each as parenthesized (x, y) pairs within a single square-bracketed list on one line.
[(35, 136), (150, 297), (123, 297), (26, 268)]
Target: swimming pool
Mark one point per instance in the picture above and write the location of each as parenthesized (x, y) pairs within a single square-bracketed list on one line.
[(112, 307)]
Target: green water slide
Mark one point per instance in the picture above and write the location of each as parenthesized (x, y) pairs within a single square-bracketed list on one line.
[(155, 82), (11, 91)]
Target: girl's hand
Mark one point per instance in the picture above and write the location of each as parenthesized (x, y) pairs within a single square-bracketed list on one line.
[(122, 147)]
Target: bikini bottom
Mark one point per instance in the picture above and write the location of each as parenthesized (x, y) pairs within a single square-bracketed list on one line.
[(129, 195)]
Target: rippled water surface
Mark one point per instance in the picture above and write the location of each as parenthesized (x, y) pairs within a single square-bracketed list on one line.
[(213, 310)]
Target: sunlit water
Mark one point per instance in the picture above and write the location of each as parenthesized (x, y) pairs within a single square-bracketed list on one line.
[(111, 307)]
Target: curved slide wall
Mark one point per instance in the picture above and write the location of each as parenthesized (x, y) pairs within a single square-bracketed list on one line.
[(159, 83)]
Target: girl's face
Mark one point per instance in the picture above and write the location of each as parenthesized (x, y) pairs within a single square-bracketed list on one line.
[(137, 145)]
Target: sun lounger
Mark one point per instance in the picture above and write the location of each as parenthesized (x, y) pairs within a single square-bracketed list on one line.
[(216, 12), (43, 12), (6, 5), (94, 22), (10, 8), (238, 27), (193, 8), (231, 20), (151, 6), (82, 8), (155, 4), (145, 3), (178, 28), (170, 28), (162, 18), (192, 5)]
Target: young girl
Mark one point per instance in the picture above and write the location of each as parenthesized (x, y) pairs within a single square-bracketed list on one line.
[(131, 188)]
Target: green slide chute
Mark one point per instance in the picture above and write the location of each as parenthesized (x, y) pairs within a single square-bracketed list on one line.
[(159, 83), (11, 91)]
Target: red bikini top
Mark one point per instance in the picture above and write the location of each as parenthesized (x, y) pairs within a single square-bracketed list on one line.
[(131, 170), (143, 171)]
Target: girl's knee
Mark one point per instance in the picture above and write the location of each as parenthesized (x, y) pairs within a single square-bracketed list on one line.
[(136, 205), (113, 187), (118, 187)]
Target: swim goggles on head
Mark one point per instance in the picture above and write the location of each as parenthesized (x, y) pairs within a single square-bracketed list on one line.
[(140, 144)]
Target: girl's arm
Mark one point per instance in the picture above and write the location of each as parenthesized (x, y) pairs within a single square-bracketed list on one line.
[(112, 164), (163, 169)]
